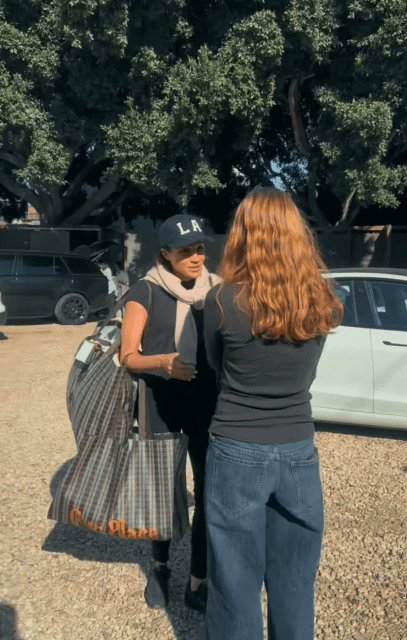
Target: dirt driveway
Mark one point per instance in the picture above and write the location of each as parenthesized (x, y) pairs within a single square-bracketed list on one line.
[(61, 583)]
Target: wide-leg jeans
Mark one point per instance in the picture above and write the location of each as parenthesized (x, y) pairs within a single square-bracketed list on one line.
[(265, 520)]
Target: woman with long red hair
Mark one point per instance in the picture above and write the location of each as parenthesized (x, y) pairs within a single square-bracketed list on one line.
[(265, 328)]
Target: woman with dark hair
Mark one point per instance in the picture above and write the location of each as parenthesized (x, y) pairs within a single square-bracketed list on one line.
[(265, 328), (180, 386)]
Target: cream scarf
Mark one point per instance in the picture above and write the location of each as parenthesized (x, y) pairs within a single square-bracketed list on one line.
[(185, 334)]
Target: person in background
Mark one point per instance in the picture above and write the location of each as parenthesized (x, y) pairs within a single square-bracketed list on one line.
[(121, 280), (111, 296), (181, 388), (265, 329)]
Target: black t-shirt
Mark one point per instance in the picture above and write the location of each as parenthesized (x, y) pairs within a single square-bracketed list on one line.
[(174, 404), (264, 384), (159, 337)]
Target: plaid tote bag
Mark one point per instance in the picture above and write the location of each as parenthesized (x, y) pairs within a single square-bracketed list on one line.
[(150, 499), (133, 492), (95, 391)]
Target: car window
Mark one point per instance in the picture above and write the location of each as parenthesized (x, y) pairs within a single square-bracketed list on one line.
[(6, 265), (344, 291), (36, 266), (390, 301), (60, 268), (81, 266), (364, 311)]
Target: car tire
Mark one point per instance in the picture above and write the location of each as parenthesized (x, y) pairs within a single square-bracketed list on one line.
[(72, 308)]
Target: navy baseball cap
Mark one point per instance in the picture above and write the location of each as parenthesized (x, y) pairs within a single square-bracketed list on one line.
[(180, 231)]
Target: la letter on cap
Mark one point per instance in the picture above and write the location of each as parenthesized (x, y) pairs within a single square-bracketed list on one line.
[(183, 232), (196, 226)]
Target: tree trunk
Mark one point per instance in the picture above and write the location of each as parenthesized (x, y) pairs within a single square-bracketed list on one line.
[(296, 117), (348, 215), (305, 148), (51, 208), (20, 190), (365, 253), (316, 212)]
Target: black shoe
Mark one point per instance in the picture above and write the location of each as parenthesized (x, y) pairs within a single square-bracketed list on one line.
[(156, 591), (196, 599)]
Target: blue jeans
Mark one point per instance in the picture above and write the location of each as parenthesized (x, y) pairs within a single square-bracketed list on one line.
[(265, 519)]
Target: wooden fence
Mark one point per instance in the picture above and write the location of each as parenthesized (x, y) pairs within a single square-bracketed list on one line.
[(377, 246)]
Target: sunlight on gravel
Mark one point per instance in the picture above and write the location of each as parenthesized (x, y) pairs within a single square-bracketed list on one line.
[(59, 582)]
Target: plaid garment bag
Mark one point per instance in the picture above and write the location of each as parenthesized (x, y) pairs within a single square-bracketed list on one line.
[(134, 489)]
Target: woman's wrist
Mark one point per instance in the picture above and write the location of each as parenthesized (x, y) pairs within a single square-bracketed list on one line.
[(124, 361), (138, 363)]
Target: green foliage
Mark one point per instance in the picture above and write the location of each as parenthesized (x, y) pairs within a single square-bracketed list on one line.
[(134, 143), (184, 99), (204, 176), (27, 127), (249, 58), (48, 161), (78, 18), (352, 99), (173, 150), (368, 122), (315, 22), (377, 183), (30, 47)]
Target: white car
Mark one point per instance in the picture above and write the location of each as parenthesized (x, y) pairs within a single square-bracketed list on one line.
[(362, 374)]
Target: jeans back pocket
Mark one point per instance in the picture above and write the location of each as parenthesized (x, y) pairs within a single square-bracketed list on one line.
[(307, 481), (236, 480)]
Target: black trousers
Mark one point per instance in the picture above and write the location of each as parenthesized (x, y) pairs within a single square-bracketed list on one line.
[(174, 406)]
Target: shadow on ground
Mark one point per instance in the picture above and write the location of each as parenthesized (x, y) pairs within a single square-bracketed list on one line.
[(2, 336), (84, 544), (8, 622), (18, 322)]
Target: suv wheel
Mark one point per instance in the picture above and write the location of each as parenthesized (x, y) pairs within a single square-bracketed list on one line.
[(72, 308)]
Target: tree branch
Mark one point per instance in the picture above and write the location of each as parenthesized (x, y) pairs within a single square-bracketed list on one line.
[(116, 203), (57, 200), (80, 178), (12, 159), (345, 208), (354, 213), (312, 198), (280, 176), (296, 116), (396, 153), (20, 190), (105, 191), (304, 147)]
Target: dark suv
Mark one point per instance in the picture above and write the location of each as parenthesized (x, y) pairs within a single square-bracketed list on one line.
[(38, 284)]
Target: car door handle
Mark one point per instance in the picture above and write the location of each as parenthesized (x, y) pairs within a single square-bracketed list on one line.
[(393, 344)]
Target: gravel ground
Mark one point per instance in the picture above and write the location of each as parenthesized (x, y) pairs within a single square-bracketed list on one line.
[(61, 583)]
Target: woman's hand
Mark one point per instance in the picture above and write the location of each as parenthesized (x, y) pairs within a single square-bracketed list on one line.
[(174, 367)]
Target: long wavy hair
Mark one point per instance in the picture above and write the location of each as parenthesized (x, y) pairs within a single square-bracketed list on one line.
[(272, 254)]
